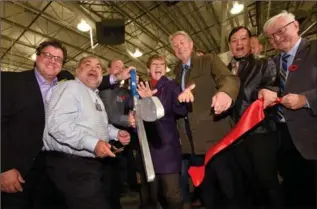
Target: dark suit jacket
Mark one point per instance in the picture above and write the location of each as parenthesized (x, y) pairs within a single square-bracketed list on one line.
[(114, 101), (23, 119), (302, 123), (210, 75)]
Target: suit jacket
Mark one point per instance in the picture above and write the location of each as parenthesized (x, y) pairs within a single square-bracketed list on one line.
[(114, 101), (210, 75), (255, 73), (302, 123), (23, 119)]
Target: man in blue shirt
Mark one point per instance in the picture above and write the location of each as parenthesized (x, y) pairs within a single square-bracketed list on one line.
[(77, 136)]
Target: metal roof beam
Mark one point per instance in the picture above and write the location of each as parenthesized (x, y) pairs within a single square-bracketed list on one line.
[(50, 37), (26, 28)]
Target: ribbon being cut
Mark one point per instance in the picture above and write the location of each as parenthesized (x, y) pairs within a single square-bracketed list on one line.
[(253, 115)]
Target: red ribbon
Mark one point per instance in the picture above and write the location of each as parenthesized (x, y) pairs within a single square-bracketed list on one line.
[(253, 115)]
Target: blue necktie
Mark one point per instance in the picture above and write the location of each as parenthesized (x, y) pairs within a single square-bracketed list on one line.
[(283, 76), (185, 69)]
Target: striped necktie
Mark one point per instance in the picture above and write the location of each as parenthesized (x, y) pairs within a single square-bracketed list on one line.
[(283, 77), (185, 69)]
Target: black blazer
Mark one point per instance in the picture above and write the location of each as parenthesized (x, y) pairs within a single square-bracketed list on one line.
[(302, 123), (23, 119), (255, 74)]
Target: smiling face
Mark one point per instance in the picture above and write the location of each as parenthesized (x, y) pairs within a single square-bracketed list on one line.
[(240, 43), (89, 72), (282, 34), (49, 62), (182, 47), (157, 68)]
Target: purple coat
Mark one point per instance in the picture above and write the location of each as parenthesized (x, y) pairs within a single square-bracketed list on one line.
[(162, 134)]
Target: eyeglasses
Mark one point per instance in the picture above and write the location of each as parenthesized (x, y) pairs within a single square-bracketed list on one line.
[(278, 32), (49, 56)]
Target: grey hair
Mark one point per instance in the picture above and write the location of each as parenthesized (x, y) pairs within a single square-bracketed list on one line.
[(284, 14), (179, 33)]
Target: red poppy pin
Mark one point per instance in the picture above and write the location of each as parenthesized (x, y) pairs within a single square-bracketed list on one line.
[(292, 68)]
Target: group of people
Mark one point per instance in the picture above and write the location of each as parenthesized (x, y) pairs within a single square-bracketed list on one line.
[(61, 139)]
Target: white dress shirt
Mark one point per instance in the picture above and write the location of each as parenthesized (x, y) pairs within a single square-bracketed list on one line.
[(76, 120)]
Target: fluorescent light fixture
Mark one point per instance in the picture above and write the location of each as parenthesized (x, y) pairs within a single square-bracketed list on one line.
[(33, 57), (236, 8), (137, 53), (83, 26)]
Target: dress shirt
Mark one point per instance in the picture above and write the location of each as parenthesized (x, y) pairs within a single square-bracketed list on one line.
[(185, 70), (76, 120), (45, 87)]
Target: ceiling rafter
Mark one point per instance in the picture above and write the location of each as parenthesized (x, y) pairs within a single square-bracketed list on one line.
[(26, 28), (205, 46), (50, 37), (62, 24), (203, 25)]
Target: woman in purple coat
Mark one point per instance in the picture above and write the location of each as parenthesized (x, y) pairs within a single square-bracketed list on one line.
[(163, 137)]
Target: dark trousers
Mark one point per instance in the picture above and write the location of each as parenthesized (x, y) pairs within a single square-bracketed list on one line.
[(164, 191), (298, 173), (38, 190), (114, 184), (223, 183), (261, 150), (84, 182), (187, 161)]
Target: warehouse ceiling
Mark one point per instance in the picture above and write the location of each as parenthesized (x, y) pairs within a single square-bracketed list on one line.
[(148, 24)]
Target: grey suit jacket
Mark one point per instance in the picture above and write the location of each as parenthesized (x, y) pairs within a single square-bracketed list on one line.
[(302, 123), (113, 100)]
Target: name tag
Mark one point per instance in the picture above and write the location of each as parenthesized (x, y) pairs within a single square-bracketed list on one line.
[(98, 107)]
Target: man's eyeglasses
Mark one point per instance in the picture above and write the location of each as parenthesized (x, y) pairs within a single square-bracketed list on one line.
[(48, 55), (278, 32)]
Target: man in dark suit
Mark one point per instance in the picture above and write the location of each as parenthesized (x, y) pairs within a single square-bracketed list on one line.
[(297, 114), (24, 97), (215, 88), (114, 101)]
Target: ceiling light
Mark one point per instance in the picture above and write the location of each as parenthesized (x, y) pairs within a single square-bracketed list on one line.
[(137, 53), (33, 57), (83, 26), (236, 8)]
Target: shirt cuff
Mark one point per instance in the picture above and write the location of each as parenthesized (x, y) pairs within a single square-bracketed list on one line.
[(113, 79), (307, 105), (113, 133), (90, 143)]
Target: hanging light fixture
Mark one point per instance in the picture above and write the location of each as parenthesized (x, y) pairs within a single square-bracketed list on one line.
[(137, 53), (236, 8), (83, 26)]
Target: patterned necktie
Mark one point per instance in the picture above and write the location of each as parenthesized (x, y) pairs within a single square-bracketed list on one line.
[(185, 69), (283, 77)]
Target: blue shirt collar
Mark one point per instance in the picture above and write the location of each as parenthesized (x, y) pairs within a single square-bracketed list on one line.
[(293, 51), (41, 80)]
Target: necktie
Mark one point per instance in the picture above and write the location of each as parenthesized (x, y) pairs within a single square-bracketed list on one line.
[(185, 69), (283, 77)]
